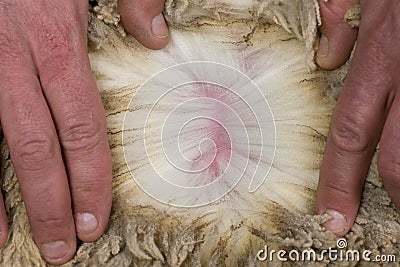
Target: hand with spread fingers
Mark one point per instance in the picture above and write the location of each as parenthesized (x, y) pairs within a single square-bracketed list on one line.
[(368, 108), (53, 119)]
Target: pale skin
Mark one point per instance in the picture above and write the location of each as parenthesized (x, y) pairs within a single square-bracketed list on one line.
[(54, 124)]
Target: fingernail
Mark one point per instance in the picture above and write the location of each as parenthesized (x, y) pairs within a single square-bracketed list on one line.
[(55, 250), (159, 27), (85, 223), (323, 47), (337, 223)]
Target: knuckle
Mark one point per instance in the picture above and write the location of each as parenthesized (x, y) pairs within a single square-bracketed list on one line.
[(45, 216), (62, 40), (81, 132), (62, 32), (347, 135), (33, 150), (91, 191), (336, 188), (58, 52), (50, 220)]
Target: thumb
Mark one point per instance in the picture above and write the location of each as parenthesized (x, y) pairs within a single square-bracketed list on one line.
[(337, 38), (145, 21)]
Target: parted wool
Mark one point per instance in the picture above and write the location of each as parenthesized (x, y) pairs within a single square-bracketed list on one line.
[(273, 44)]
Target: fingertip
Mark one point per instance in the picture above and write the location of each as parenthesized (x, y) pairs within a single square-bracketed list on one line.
[(324, 57), (339, 202), (58, 252), (159, 27), (160, 33), (337, 197), (337, 224), (92, 197), (92, 208), (335, 49), (337, 38), (91, 226), (87, 227), (145, 21), (151, 33), (91, 236)]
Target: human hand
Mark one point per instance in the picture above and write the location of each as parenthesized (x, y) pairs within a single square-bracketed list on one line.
[(367, 111), (144, 20), (53, 119)]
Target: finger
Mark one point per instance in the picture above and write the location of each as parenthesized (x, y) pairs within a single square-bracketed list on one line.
[(355, 128), (389, 153), (36, 155), (3, 223), (78, 113), (145, 21), (337, 38)]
